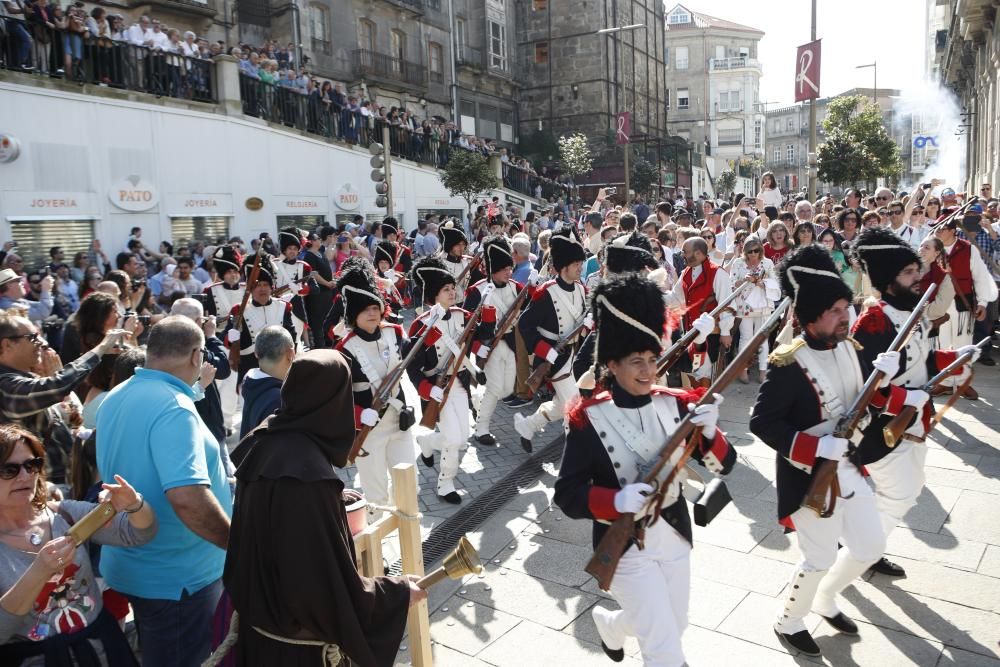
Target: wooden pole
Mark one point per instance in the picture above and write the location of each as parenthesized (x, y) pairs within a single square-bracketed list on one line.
[(418, 625)]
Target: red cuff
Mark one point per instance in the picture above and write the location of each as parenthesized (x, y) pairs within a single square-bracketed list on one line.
[(803, 449), (714, 454), (489, 315), (542, 349), (357, 417), (897, 395), (476, 344), (942, 358), (433, 336), (601, 503), (880, 399), (304, 291), (425, 389)]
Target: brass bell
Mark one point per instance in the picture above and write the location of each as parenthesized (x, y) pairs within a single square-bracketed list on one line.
[(461, 561)]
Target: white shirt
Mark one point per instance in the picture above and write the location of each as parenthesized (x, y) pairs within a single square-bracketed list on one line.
[(136, 35), (160, 40), (908, 234), (771, 197)]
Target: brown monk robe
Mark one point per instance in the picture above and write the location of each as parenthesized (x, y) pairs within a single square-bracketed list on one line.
[(290, 567)]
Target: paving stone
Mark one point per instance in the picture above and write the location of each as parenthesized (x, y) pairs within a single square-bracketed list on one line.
[(751, 510), (932, 508), (468, 627), (705, 647), (754, 573), (942, 458), (530, 643), (959, 479), (448, 657), (944, 583), (583, 629), (875, 646), (735, 535), (497, 532), (778, 545), (753, 621), (711, 602), (571, 531), (551, 560), (971, 518), (956, 657), (534, 499), (990, 564), (944, 548), (545, 602), (749, 480)]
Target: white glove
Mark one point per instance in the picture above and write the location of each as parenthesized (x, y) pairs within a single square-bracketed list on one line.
[(483, 351), (707, 416), (437, 394), (233, 336), (437, 311), (632, 498), (551, 356), (888, 363), (369, 417), (704, 325), (588, 321), (976, 352), (390, 275), (533, 277), (916, 398), (831, 447)]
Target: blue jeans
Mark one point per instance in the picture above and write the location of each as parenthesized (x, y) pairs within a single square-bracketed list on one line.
[(176, 633)]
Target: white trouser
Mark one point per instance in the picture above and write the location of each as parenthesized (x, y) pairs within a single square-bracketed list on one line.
[(653, 587), (953, 334), (501, 373), (565, 391), (386, 446), (855, 524), (453, 431), (229, 398), (899, 478), (749, 326)]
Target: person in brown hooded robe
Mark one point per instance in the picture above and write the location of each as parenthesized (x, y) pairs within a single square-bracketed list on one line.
[(290, 567)]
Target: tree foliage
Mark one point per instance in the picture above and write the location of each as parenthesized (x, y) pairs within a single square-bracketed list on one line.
[(574, 154), (644, 176), (468, 175), (858, 146), (725, 182)]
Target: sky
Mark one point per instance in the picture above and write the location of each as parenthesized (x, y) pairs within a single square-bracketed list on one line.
[(853, 32)]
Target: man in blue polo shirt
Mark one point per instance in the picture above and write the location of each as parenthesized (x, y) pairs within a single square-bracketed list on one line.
[(149, 431)]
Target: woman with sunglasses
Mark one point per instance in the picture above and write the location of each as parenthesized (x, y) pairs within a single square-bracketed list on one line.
[(714, 253), (52, 608), (804, 234), (756, 302), (847, 224)]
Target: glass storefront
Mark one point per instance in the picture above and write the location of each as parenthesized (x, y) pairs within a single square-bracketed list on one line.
[(34, 238), (210, 229)]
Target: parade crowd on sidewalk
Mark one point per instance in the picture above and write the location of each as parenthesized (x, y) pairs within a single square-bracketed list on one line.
[(203, 393)]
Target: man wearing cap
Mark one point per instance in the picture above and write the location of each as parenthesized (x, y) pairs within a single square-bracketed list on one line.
[(898, 472), (609, 439), (291, 278), (262, 310), (810, 384), (498, 294), (556, 307), (12, 295)]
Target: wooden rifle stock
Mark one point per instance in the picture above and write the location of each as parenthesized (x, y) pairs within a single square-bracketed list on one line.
[(477, 259), (505, 322), (821, 486), (676, 351), (445, 380), (234, 348), (609, 550), (543, 370), (894, 430)]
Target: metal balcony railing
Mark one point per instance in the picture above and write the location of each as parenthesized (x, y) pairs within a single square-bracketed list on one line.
[(385, 66), (726, 64)]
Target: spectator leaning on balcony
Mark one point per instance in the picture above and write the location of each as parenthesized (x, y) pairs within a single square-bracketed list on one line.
[(22, 40)]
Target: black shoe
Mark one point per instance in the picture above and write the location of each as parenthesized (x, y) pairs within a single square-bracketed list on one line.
[(801, 641), (526, 445), (486, 439), (987, 361), (452, 498), (888, 568), (517, 402), (427, 460), (616, 656), (842, 624), (508, 398)]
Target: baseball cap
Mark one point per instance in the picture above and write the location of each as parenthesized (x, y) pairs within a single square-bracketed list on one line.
[(975, 208), (948, 192)]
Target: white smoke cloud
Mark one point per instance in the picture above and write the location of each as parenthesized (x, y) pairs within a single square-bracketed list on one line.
[(937, 110)]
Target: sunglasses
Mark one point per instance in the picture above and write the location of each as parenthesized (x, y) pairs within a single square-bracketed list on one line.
[(31, 466), (33, 338), (896, 212), (752, 251), (710, 237)]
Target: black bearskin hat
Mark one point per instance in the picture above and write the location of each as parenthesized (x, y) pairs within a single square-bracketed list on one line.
[(565, 247), (267, 270), (809, 272), (390, 226), (289, 236), (629, 253), (629, 316), (430, 276), (450, 234), (883, 255), (358, 290), (497, 253), (225, 258), (385, 250)]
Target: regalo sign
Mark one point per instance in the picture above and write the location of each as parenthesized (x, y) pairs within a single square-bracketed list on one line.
[(133, 194)]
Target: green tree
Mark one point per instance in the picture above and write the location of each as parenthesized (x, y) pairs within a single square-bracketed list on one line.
[(468, 175), (574, 155), (644, 176), (860, 147), (725, 182)]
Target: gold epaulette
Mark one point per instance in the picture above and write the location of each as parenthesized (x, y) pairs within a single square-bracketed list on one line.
[(857, 346), (785, 354)]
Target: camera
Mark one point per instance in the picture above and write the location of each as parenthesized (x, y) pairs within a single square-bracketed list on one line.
[(611, 191), (138, 282), (142, 319)]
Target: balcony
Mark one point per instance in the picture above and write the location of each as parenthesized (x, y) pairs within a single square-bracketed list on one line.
[(470, 57), (730, 64), (372, 64)]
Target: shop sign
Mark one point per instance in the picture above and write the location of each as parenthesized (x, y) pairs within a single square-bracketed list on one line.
[(184, 205), (347, 198), (254, 203), (41, 204), (291, 205), (134, 194), (10, 148)]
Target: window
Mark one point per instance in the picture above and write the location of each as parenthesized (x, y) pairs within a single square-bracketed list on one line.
[(777, 155), (397, 51), (790, 153), (790, 124), (541, 53), (682, 98), (487, 122), (366, 36), (435, 58), (319, 19), (666, 56), (666, 95), (729, 101), (758, 131), (679, 15), (468, 117), (720, 52), (731, 137), (539, 5), (184, 230), (35, 237), (777, 126), (460, 39), (681, 57), (498, 45), (507, 125)]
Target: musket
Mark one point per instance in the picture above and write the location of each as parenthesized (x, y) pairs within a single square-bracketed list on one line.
[(448, 369), (234, 348), (824, 479), (960, 211), (894, 430), (477, 259), (505, 323), (386, 388), (676, 351), (542, 371), (612, 546)]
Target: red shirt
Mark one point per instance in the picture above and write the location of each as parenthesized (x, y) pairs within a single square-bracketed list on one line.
[(775, 255)]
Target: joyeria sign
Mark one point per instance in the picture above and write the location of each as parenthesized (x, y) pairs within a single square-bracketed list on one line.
[(133, 194)]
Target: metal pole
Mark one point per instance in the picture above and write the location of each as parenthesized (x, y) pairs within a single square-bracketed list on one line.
[(812, 123), (388, 170), (875, 83), (627, 146), (454, 56)]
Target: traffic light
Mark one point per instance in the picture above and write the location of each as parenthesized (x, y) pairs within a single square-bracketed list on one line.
[(378, 174)]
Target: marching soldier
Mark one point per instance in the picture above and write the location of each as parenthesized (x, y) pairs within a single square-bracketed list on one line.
[(701, 287), (609, 438), (291, 276), (434, 284), (898, 472), (221, 297), (387, 279), (454, 243), (810, 384), (403, 260), (373, 348), (551, 314), (501, 369), (262, 310)]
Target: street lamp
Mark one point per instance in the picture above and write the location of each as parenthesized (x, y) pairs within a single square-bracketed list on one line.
[(874, 67), (614, 32)]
